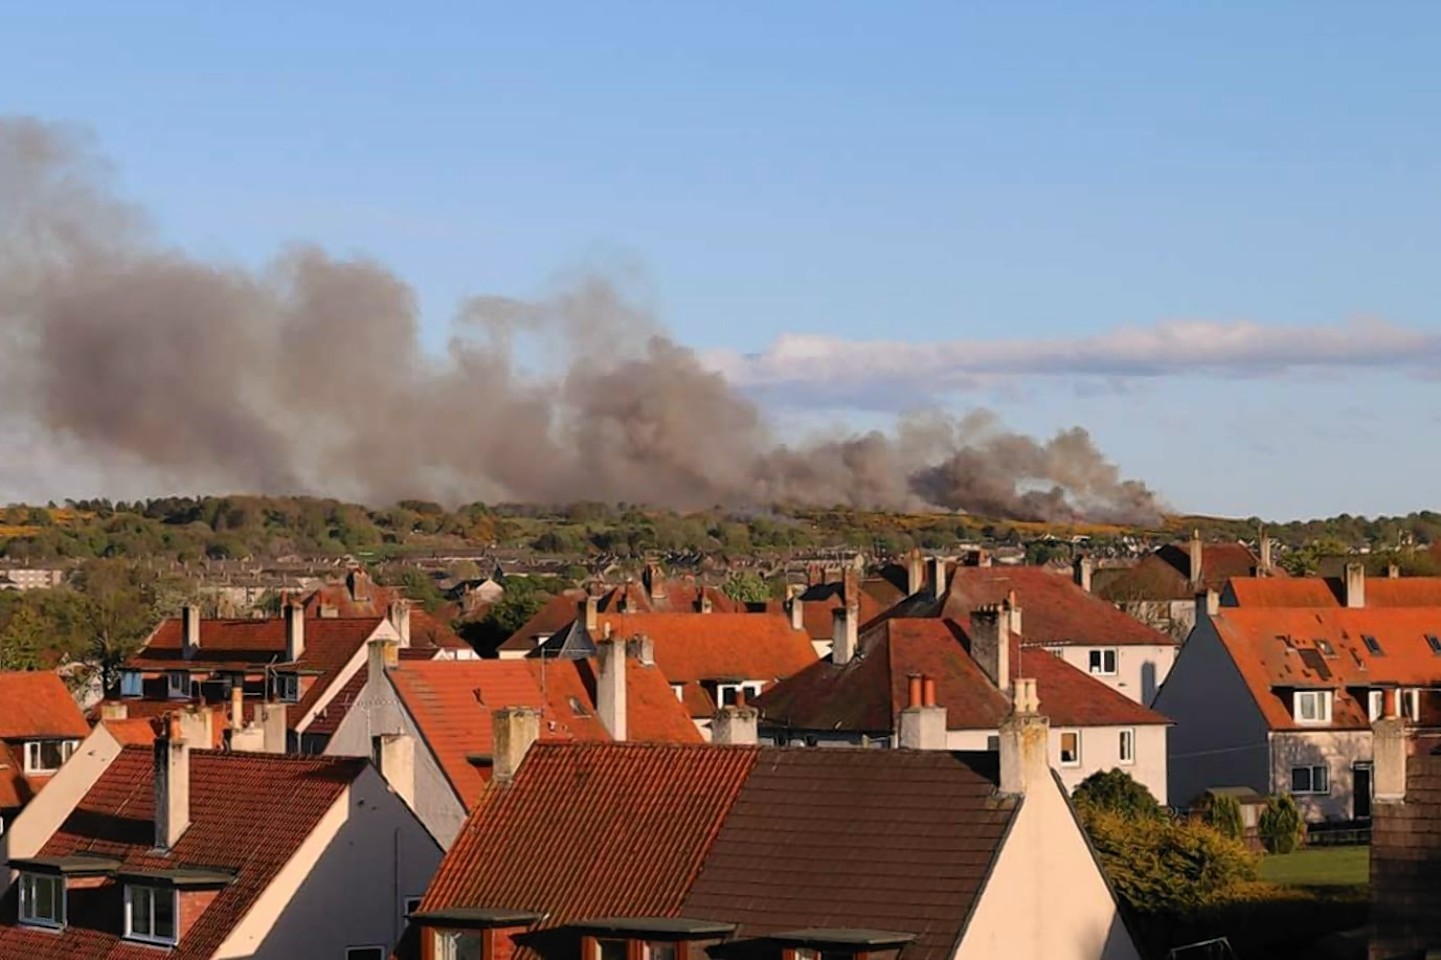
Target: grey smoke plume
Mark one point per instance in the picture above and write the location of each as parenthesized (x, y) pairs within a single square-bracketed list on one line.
[(167, 372)]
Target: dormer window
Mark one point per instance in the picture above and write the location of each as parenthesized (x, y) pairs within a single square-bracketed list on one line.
[(47, 756), (150, 914), (729, 694), (42, 900), (177, 684), (458, 945), (287, 687), (1312, 706), (132, 683)]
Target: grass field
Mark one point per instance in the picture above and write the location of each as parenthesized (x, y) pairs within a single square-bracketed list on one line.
[(1319, 867)]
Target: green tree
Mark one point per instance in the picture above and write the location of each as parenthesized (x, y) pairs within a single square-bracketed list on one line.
[(1225, 816), (747, 586), (1281, 825), (1161, 866), (22, 639), (1115, 791), (522, 600)]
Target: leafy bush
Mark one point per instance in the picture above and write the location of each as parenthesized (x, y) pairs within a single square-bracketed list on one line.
[(1280, 825), (1115, 791), (1225, 816), (1161, 866)]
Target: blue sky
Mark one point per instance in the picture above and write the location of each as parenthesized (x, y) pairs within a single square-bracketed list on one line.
[(914, 173)]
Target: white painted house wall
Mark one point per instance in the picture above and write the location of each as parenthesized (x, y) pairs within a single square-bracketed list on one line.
[(1338, 750), (1140, 668), (1100, 751)]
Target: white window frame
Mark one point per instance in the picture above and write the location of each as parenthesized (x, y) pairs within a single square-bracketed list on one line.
[(1126, 746), (1321, 706), (173, 692), (155, 894), (1096, 662), (1311, 791), (752, 688), (28, 882), (679, 689), (132, 683), (1411, 705), (286, 687), (1375, 704), (446, 942), (1061, 748), (33, 762)]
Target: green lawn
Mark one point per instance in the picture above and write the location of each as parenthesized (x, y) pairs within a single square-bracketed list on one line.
[(1319, 867)]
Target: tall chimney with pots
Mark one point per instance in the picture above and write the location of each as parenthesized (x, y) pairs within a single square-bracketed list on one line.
[(1197, 554), (915, 573), (514, 729), (938, 577), (294, 631), (1389, 749), (190, 630), (735, 724), (845, 634), (1081, 571), (1025, 742), (1355, 585), (398, 613), (172, 789), (991, 644), (610, 699), (923, 723)]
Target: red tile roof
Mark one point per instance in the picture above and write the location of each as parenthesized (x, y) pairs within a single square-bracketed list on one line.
[(38, 704), (16, 789), (1277, 649), (693, 649), (547, 621), (1054, 611), (1381, 592), (230, 794), (868, 694), (594, 830)]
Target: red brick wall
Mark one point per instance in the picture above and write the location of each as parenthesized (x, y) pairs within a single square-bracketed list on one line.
[(192, 905)]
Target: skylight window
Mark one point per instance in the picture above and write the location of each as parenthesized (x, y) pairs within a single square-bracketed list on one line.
[(1434, 643), (1325, 647), (1372, 645)]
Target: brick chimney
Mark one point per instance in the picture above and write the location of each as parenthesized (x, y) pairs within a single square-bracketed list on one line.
[(189, 630), (1197, 553), (172, 789), (915, 573), (1354, 595), (845, 634), (610, 701), (1081, 571), (1025, 742), (398, 613), (923, 723), (1389, 749), (735, 724), (514, 729), (294, 631), (590, 613), (991, 643), (395, 760)]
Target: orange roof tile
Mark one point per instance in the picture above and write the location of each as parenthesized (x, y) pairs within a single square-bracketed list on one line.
[(1054, 611), (38, 704)]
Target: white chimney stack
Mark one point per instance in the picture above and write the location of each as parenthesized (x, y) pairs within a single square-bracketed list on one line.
[(294, 631), (1389, 749), (399, 616), (1265, 558), (172, 789), (1025, 742), (923, 723), (915, 573), (190, 630), (1197, 554), (845, 634), (590, 611), (610, 698), (514, 729), (735, 724), (1081, 572), (1355, 586), (798, 613), (938, 577), (271, 719)]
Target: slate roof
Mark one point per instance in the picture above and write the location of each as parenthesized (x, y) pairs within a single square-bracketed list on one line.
[(230, 794), (1406, 865), (1054, 611), (772, 839)]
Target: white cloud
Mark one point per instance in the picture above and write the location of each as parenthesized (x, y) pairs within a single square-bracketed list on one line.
[(830, 370)]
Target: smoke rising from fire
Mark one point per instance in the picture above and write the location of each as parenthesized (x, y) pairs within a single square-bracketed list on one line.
[(309, 377)]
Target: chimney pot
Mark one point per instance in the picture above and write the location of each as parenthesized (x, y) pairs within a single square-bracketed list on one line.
[(928, 691), (1025, 742), (590, 610), (1197, 555), (916, 691), (1393, 571), (923, 724)]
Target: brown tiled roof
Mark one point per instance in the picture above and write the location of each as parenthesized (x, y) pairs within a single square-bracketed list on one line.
[(249, 813), (16, 789), (1406, 865), (897, 840), (38, 704), (1166, 573), (593, 830), (692, 649), (549, 620), (1277, 649), (1381, 592), (1054, 611), (676, 595)]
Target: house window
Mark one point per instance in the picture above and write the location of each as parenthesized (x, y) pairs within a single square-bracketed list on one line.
[(1313, 779), (364, 953), (1128, 746), (1375, 704), (458, 945), (1372, 645), (661, 950), (728, 693), (42, 900), (132, 683), (1070, 748), (1103, 662), (177, 685), (607, 949), (1313, 706), (287, 687), (1057, 652), (47, 756), (150, 914)]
